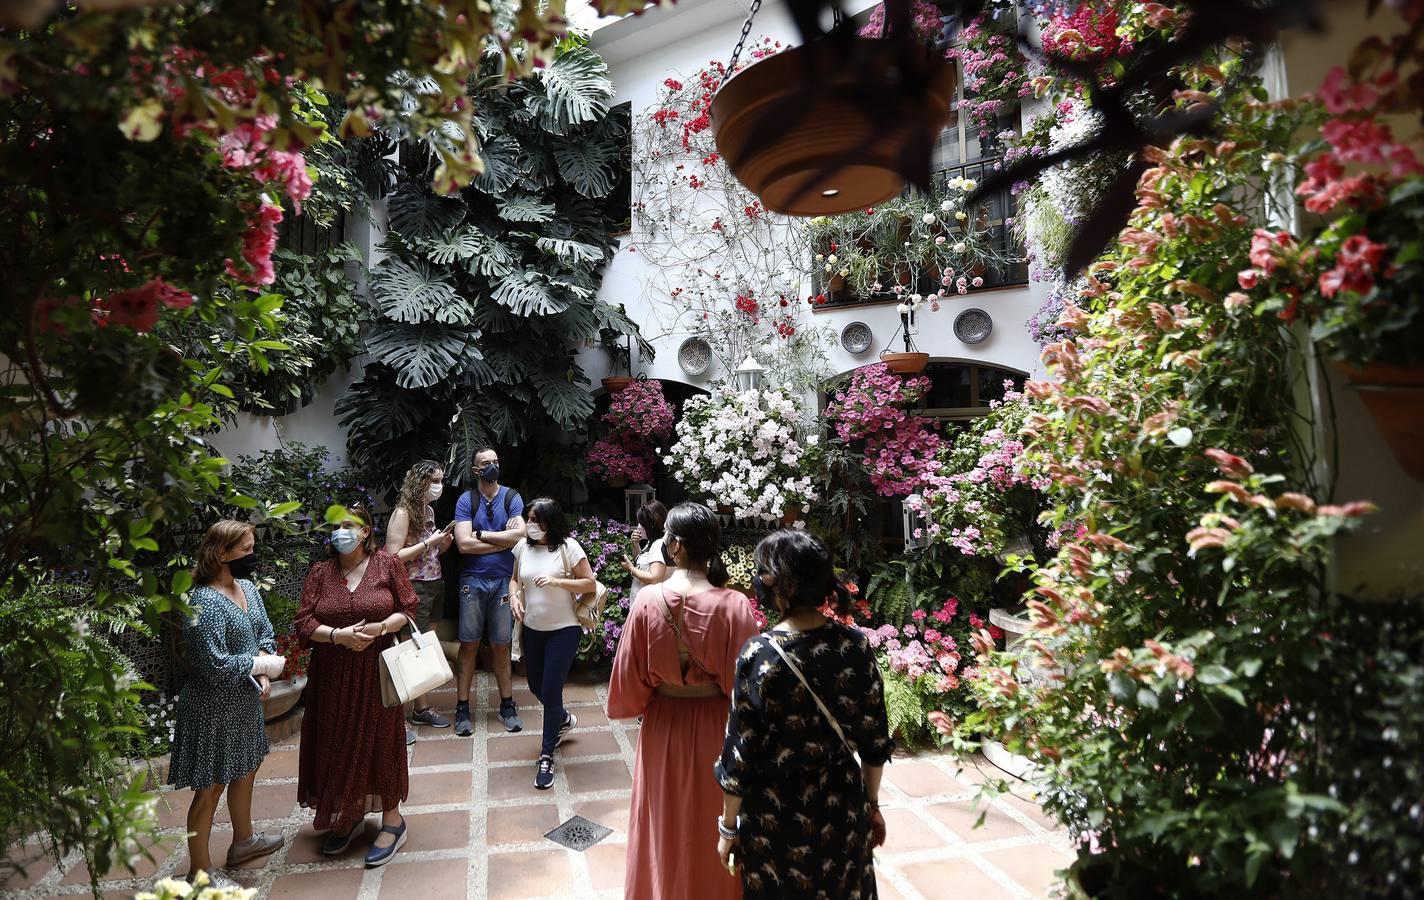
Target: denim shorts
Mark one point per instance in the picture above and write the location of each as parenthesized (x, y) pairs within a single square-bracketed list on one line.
[(484, 610)]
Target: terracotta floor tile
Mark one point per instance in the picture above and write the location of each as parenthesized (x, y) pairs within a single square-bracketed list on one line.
[(1032, 867), (611, 813), (522, 697), (436, 752), (512, 747), (586, 778), (960, 818), (143, 866), (279, 764), (605, 865), (953, 877), (581, 742), (173, 808), (581, 693), (514, 876), (269, 801), (430, 788), (1035, 812), (906, 832), (591, 716), (36, 864), (343, 884), (884, 888), (437, 831), (438, 880), (508, 783), (518, 824), (920, 779)]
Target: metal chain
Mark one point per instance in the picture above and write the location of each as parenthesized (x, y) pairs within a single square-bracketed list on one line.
[(741, 41)]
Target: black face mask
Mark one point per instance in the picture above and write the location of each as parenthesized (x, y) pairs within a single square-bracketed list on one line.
[(243, 566), (490, 473), (765, 596)]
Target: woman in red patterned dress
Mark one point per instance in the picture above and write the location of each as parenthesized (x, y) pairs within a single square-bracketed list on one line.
[(353, 748)]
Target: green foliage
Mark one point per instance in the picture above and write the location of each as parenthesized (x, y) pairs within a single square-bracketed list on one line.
[(901, 585), (907, 707), (69, 711), (484, 296)]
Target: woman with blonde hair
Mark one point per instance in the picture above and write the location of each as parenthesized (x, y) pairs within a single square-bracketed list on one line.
[(353, 748), (220, 742), (412, 538)]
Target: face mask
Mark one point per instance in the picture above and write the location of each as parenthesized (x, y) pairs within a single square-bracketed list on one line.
[(433, 492), (536, 533), (641, 533), (346, 539), (765, 596), (667, 554), (243, 566), (490, 473)]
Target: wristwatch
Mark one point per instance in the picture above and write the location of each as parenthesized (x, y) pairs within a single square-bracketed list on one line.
[(479, 535)]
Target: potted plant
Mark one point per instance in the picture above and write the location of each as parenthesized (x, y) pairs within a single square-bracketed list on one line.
[(287, 688), (1359, 279), (620, 352)]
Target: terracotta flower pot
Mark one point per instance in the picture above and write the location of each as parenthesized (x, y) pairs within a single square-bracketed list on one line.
[(615, 383), (905, 363), (618, 481), (1394, 395), (792, 512), (836, 284)]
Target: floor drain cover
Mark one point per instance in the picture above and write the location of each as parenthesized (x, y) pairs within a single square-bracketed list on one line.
[(579, 833)]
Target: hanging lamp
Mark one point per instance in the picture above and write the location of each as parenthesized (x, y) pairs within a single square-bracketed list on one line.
[(834, 125)]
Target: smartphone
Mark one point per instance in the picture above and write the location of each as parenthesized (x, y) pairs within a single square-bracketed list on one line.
[(448, 528)]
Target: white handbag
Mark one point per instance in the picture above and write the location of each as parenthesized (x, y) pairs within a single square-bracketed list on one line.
[(411, 668)]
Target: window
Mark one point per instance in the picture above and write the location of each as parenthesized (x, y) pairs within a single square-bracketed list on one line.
[(300, 234), (960, 391)]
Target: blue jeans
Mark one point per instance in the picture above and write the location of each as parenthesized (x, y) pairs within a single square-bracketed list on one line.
[(547, 658), (484, 610)]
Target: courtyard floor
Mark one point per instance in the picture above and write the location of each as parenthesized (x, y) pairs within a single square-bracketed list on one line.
[(477, 824)]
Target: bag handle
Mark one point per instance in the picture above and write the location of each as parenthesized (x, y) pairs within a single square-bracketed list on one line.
[(796, 670), (677, 632)]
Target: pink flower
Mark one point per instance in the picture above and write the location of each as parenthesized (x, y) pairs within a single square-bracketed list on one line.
[(918, 615)]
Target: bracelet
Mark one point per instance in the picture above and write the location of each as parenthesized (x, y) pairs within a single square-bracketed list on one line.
[(728, 833)]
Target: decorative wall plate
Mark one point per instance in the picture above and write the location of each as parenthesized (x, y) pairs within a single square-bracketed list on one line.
[(695, 356), (972, 326), (857, 337)]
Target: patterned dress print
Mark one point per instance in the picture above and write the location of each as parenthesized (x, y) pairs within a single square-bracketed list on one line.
[(805, 820), (353, 748), (219, 736)]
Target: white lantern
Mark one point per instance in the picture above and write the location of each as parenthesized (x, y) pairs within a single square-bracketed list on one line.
[(749, 374), (914, 522), (634, 497)]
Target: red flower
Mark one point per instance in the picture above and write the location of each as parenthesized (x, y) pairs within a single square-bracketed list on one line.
[(1355, 267), (673, 84), (1248, 278)]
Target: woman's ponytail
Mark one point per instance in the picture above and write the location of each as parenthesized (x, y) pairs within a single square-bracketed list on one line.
[(717, 570)]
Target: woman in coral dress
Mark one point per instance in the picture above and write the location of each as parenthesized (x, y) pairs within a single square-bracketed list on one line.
[(676, 663)]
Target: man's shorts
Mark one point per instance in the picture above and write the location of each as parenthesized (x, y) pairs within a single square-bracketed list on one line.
[(484, 610), (428, 596)]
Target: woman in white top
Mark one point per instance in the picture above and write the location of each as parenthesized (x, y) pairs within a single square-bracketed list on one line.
[(550, 571), (651, 566)]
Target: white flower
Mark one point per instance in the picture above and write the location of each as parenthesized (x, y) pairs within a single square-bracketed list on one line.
[(970, 184), (959, 247), (928, 218), (946, 206), (961, 215), (831, 259)]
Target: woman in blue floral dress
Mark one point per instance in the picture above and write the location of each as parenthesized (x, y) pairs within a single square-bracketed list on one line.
[(220, 741)]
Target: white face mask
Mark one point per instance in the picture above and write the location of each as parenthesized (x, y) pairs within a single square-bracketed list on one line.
[(433, 492), (536, 533)]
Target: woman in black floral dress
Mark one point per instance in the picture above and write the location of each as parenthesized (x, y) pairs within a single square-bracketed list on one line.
[(800, 815)]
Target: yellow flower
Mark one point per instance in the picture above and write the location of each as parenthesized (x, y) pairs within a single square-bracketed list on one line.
[(143, 123)]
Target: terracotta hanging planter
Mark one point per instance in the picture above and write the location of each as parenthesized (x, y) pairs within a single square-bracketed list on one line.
[(617, 481), (615, 383), (806, 129), (905, 363), (791, 512), (1394, 395), (836, 284)]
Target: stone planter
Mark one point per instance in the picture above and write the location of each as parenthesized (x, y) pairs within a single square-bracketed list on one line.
[(1015, 627), (283, 696)]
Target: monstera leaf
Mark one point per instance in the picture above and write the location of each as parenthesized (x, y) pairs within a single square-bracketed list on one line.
[(567, 403), (495, 259), (502, 165), (374, 409), (414, 292), (418, 212), (590, 167), (422, 355), (524, 208), (576, 89), (570, 252), (462, 243), (469, 433), (616, 318), (528, 294)]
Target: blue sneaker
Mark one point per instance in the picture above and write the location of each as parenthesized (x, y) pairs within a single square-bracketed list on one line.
[(544, 775), (463, 726), (509, 715), (379, 856)]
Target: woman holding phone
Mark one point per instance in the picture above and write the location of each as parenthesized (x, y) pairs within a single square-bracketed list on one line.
[(412, 538), (651, 566)]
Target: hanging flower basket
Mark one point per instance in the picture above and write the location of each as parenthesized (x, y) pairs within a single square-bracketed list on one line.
[(905, 363), (1394, 395), (615, 383)]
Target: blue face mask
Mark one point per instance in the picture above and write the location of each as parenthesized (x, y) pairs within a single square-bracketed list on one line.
[(346, 539)]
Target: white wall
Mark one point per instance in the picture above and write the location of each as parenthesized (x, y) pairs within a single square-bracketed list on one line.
[(675, 41)]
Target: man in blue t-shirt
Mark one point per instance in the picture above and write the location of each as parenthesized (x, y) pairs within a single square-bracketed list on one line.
[(489, 520)]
